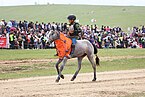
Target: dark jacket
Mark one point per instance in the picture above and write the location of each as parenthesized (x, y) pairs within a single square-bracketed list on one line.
[(77, 30)]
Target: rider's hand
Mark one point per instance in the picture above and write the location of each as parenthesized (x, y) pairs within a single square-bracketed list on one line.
[(71, 31)]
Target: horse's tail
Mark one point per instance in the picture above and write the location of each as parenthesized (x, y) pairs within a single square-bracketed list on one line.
[(95, 49), (97, 61)]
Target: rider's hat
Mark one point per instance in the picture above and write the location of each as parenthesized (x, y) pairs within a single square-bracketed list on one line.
[(71, 17)]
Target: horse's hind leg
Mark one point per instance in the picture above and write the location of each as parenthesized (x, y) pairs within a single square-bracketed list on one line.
[(91, 59), (79, 67)]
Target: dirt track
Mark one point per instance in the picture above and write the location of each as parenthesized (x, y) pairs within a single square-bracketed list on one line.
[(109, 84)]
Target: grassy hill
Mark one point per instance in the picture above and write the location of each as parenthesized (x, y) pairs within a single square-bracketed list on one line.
[(124, 16)]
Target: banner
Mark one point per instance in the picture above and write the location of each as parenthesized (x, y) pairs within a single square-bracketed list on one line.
[(3, 42)]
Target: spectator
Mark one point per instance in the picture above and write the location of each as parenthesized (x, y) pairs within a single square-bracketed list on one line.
[(12, 39), (34, 35)]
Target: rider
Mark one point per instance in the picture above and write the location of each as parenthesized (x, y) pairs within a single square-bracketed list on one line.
[(73, 33)]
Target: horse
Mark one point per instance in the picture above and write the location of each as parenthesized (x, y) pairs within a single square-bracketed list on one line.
[(82, 48)]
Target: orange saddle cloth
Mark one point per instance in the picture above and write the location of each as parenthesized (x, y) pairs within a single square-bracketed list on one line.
[(63, 46)]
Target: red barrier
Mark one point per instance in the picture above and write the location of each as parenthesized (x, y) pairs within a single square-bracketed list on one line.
[(3, 42)]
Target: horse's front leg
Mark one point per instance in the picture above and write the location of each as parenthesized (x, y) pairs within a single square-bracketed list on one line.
[(61, 68), (57, 68)]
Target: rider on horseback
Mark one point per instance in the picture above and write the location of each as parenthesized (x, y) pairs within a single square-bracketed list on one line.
[(74, 30)]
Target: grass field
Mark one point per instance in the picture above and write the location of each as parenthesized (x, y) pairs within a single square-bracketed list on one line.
[(111, 59), (49, 53), (124, 16)]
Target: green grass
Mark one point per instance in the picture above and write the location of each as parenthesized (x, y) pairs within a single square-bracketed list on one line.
[(121, 52), (33, 71), (107, 15), (26, 54), (49, 54), (47, 69)]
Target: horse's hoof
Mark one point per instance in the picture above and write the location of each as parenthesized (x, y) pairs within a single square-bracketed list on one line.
[(94, 79), (73, 78), (56, 80), (62, 76)]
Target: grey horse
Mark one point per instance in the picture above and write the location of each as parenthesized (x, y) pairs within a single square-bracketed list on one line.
[(83, 48)]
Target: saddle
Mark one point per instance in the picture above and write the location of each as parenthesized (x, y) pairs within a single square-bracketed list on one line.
[(63, 46)]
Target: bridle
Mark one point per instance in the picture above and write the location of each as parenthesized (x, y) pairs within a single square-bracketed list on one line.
[(51, 39)]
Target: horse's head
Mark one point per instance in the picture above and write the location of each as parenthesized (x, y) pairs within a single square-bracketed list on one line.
[(53, 35)]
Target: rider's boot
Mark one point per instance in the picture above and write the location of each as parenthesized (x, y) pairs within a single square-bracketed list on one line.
[(72, 51)]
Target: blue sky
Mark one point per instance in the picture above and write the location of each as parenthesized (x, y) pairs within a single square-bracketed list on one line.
[(90, 2)]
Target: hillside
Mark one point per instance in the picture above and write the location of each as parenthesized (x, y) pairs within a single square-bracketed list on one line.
[(124, 16)]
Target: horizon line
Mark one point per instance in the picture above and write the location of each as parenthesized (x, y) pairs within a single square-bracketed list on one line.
[(69, 4)]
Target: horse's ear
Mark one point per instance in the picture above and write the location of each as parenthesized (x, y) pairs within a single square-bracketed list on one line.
[(51, 31)]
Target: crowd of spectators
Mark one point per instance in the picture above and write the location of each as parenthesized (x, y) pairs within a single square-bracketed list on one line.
[(30, 35), (115, 37)]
